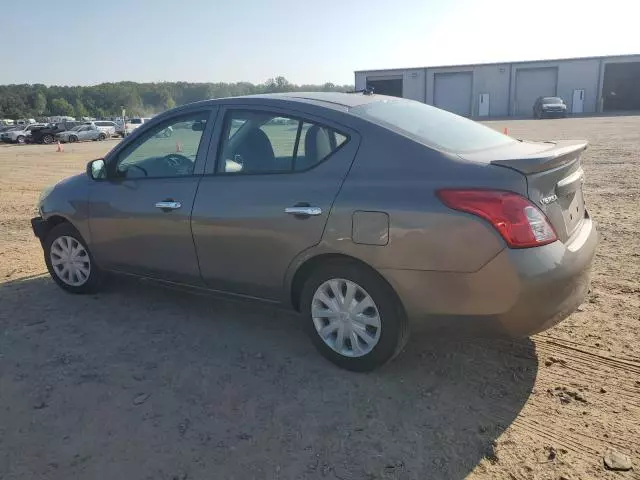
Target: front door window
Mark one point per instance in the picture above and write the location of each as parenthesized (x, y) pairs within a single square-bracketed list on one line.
[(166, 150)]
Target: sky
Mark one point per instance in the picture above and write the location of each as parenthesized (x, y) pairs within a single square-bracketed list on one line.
[(90, 42)]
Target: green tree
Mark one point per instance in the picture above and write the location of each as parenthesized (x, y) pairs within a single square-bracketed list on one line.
[(21, 101), (40, 103), (12, 106), (59, 106), (79, 109)]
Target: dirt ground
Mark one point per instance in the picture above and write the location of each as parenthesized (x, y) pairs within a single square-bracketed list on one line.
[(143, 382)]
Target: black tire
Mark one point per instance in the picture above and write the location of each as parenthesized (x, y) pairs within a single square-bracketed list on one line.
[(73, 139), (21, 140), (102, 136), (394, 331), (47, 139), (96, 276)]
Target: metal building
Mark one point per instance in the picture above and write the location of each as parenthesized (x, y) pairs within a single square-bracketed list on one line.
[(587, 85)]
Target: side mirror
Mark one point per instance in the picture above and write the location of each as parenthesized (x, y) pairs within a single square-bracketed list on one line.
[(96, 169), (198, 126)]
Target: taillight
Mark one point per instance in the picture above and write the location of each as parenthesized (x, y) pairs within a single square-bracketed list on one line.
[(519, 221)]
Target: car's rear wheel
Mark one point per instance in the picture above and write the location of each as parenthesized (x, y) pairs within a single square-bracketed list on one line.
[(21, 140), (69, 260), (354, 318), (102, 136), (47, 139), (73, 139)]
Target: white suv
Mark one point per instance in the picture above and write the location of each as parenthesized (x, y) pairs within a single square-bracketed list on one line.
[(106, 126), (133, 123)]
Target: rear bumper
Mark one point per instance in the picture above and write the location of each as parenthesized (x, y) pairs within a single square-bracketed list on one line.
[(518, 293)]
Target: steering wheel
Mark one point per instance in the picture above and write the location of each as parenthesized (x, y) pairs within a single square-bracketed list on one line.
[(177, 161), (133, 165)]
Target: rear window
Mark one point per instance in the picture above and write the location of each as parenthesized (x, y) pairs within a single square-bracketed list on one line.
[(104, 124), (431, 126)]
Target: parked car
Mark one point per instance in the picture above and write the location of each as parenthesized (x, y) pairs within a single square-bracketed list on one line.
[(47, 134), (372, 216), (133, 123), (81, 133), (549, 107), (25, 121), (106, 126), (18, 134)]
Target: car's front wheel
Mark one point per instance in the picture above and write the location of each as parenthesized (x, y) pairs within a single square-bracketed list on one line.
[(102, 136), (21, 140), (47, 139), (353, 316), (69, 260), (73, 138)]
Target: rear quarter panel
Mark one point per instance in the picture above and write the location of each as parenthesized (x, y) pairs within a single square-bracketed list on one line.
[(397, 176)]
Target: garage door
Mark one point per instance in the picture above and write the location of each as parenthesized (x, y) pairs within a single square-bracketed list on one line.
[(452, 91), (390, 86), (532, 83), (621, 87)]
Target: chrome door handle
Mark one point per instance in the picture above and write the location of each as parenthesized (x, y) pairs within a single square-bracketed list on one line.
[(168, 205), (304, 211)]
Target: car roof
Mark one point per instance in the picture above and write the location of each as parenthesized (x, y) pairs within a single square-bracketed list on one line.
[(332, 100)]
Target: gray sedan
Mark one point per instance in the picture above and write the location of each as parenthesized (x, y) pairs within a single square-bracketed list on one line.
[(81, 133), (370, 215)]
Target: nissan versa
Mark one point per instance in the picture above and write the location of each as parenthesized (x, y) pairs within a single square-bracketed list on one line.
[(370, 215)]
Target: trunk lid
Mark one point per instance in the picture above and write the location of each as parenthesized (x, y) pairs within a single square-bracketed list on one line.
[(554, 175)]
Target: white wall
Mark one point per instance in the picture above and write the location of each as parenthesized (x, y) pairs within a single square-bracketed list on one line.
[(499, 81), (494, 80)]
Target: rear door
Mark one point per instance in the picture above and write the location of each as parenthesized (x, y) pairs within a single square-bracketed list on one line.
[(267, 196), (88, 133)]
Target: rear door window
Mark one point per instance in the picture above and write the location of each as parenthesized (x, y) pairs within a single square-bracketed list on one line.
[(263, 142)]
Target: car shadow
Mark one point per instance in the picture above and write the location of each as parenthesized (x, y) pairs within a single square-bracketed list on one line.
[(156, 383)]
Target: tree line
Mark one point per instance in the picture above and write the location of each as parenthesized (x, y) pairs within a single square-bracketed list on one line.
[(139, 99)]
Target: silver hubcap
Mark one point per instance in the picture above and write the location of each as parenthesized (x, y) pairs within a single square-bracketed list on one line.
[(346, 317), (70, 261)]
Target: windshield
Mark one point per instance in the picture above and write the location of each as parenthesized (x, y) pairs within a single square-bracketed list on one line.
[(135, 121), (551, 100), (432, 126)]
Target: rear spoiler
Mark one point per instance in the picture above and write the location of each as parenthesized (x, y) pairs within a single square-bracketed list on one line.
[(560, 153)]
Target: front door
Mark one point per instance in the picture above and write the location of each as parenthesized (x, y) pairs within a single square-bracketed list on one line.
[(139, 217), (275, 180), (577, 104), (483, 105)]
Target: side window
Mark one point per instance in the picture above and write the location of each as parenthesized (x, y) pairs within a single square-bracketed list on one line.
[(262, 142), (169, 149)]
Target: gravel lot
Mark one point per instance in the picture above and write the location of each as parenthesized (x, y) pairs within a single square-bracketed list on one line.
[(144, 382)]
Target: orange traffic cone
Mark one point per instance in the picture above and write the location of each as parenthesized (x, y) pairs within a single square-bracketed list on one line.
[(60, 147), (506, 131), (178, 147)]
